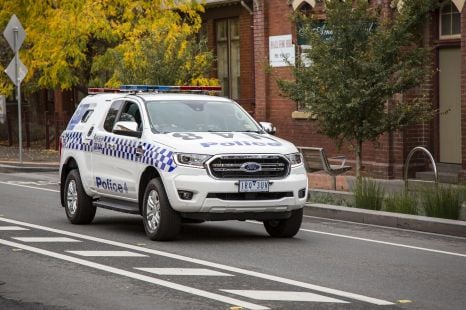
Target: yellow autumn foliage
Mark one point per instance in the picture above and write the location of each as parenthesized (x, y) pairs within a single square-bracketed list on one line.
[(84, 42)]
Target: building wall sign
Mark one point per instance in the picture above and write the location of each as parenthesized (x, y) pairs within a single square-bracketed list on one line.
[(281, 51)]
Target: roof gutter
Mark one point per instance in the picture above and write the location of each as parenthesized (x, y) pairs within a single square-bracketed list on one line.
[(246, 7)]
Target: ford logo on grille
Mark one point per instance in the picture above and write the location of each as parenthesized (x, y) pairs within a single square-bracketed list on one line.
[(250, 167)]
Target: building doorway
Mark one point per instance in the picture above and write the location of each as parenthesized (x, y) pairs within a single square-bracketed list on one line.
[(450, 101)]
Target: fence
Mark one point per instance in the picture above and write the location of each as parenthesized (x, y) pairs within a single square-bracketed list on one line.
[(44, 131)]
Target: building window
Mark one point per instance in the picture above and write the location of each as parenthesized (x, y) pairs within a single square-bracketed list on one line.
[(305, 9), (228, 56), (450, 21)]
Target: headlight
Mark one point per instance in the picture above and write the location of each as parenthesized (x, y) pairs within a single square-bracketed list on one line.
[(295, 159), (191, 160)]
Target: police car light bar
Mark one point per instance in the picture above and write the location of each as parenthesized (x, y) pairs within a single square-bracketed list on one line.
[(164, 88), (154, 88), (98, 90)]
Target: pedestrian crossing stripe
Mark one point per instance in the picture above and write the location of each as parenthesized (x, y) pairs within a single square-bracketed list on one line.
[(45, 239), (107, 253), (284, 296), (12, 228), (184, 272)]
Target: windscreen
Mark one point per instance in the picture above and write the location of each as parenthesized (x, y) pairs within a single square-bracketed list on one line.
[(198, 116)]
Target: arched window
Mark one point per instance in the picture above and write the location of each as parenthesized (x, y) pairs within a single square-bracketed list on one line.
[(305, 8), (299, 3), (449, 20)]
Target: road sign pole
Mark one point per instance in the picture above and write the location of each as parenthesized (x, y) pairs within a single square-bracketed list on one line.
[(14, 34), (18, 91)]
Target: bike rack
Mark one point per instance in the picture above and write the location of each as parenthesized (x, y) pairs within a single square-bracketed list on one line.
[(429, 155)]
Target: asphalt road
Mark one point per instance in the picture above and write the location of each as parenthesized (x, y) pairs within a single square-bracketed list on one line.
[(48, 263)]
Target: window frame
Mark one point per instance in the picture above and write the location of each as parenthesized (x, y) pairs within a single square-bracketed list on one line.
[(450, 15), (228, 39)]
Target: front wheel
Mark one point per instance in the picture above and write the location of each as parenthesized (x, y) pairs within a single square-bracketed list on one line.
[(286, 228), (78, 205), (161, 222)]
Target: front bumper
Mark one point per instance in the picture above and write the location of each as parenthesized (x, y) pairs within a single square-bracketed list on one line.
[(219, 201)]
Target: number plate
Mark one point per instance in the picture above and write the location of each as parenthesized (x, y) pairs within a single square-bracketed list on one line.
[(253, 186)]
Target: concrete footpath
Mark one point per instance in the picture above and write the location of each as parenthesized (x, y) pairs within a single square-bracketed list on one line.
[(15, 167), (412, 222)]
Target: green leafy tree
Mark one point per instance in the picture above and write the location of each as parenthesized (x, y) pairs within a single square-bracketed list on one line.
[(357, 62), (72, 43)]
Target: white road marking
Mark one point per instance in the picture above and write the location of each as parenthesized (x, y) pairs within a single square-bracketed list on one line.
[(12, 228), (45, 239), (378, 241), (385, 243), (107, 253), (129, 274), (284, 296), (260, 275), (384, 227), (184, 272), (38, 183), (32, 187)]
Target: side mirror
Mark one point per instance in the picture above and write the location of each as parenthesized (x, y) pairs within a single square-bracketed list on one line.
[(127, 128), (268, 127)]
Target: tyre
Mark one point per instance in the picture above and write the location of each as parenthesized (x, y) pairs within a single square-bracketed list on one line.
[(78, 205), (286, 228), (161, 222)]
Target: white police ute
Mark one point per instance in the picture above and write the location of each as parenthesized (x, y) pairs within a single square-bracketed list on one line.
[(177, 157)]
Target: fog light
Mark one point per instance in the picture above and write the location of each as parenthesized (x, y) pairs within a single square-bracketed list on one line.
[(302, 193), (185, 195)]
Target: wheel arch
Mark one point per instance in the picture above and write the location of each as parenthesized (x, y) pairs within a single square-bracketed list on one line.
[(149, 173), (69, 165)]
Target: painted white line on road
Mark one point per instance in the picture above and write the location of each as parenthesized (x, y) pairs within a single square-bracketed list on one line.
[(107, 253), (284, 296), (385, 243), (137, 276), (45, 239), (38, 183), (385, 227), (184, 272), (377, 241), (12, 228), (260, 275), (32, 187)]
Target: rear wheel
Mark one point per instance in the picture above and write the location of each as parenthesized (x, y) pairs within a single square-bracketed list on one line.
[(286, 228), (78, 205), (161, 222)]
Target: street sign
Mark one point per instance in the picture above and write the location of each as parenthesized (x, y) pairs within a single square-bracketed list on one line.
[(11, 71), (2, 109), (14, 28), (14, 34)]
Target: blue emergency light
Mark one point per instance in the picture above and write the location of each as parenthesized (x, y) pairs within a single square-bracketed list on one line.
[(154, 88), (167, 88)]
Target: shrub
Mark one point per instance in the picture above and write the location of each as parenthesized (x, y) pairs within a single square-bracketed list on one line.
[(368, 194), (404, 202), (325, 198), (444, 202)]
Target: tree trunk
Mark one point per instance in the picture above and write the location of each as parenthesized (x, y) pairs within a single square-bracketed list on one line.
[(358, 158)]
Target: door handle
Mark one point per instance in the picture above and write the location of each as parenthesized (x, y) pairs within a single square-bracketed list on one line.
[(87, 139), (111, 146), (139, 150)]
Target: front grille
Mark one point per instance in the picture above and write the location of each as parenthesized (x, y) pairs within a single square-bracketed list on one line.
[(250, 196), (233, 166)]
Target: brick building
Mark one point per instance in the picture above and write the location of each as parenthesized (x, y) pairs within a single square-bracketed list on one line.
[(245, 36)]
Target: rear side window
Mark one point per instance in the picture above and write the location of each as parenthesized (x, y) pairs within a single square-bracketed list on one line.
[(86, 116), (111, 115)]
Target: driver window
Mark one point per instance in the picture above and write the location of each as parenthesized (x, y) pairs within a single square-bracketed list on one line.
[(111, 115), (131, 113)]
